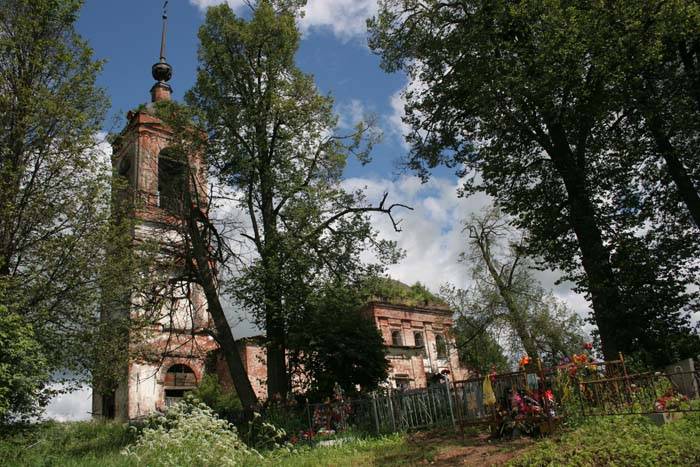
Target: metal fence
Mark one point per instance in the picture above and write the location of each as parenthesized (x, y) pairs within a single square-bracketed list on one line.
[(594, 389), (394, 411)]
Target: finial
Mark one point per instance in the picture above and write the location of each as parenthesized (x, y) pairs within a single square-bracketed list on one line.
[(162, 71)]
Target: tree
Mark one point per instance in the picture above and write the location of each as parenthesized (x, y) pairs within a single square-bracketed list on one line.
[(528, 97), (660, 86), (336, 343), (54, 185), (23, 368), (273, 141), (505, 299)]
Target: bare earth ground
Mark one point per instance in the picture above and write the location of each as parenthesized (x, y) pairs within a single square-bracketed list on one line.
[(448, 449)]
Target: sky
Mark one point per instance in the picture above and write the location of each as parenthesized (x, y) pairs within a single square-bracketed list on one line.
[(126, 34)]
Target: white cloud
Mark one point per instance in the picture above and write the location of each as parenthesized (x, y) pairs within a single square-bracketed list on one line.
[(204, 4), (344, 18), (432, 233), (350, 113), (397, 127), (71, 406)]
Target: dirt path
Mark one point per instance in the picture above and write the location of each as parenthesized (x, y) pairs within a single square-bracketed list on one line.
[(446, 449)]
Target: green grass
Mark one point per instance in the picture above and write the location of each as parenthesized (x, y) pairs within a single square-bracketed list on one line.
[(627, 440), (623, 440), (99, 444), (65, 444), (392, 450)]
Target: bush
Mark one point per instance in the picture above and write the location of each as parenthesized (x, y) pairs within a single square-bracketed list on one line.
[(188, 434), (262, 435), (225, 404)]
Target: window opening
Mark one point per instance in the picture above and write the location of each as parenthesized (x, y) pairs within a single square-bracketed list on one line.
[(418, 339), (171, 180), (440, 346), (396, 338)]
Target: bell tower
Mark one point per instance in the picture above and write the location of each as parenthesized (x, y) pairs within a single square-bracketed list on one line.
[(171, 359)]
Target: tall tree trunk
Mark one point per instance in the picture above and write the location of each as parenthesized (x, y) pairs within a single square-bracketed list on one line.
[(595, 258), (676, 170), (225, 338), (516, 315), (277, 380)]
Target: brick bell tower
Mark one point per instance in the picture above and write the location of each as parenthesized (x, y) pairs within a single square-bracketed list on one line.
[(171, 361)]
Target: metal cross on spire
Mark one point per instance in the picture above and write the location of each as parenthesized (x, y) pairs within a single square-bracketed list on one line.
[(165, 27), (162, 71)]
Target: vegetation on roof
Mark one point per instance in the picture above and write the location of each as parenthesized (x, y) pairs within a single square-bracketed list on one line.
[(385, 289)]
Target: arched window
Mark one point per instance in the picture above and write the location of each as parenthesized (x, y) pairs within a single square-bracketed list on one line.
[(396, 338), (440, 346), (179, 380), (171, 180), (418, 340)]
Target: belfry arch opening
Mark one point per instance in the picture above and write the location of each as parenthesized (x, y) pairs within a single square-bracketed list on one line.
[(172, 175)]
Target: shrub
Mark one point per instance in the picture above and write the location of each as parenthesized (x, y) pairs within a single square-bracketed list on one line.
[(262, 435), (225, 404), (188, 434)]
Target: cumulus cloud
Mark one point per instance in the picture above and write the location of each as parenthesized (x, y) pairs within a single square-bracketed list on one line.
[(350, 113), (204, 4), (72, 406), (344, 18), (432, 234)]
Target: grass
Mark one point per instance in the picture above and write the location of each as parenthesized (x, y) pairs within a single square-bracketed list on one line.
[(624, 440), (65, 444), (627, 440)]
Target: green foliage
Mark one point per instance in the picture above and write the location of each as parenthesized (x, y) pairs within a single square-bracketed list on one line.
[(188, 434), (335, 343), (68, 444), (225, 403), (63, 252), (54, 191), (262, 435), (23, 368), (621, 440), (584, 144)]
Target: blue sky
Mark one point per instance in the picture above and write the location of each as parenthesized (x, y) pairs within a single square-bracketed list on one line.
[(126, 33)]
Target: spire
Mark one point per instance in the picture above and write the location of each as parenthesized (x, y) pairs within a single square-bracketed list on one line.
[(162, 71)]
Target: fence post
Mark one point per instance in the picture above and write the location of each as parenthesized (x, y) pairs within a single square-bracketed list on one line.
[(308, 414), (374, 411), (391, 410), (449, 402)]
